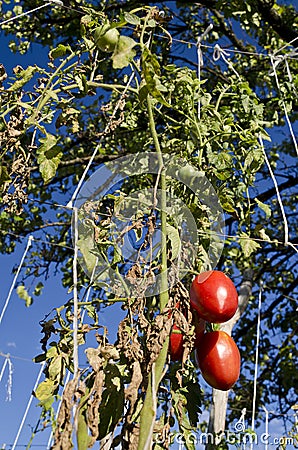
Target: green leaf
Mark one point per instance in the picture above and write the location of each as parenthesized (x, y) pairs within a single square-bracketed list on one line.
[(23, 294), (52, 352), (47, 169), (254, 160), (173, 235), (55, 368), (49, 156), (226, 202), (87, 247), (45, 390), (83, 438), (112, 403), (59, 51), (264, 207), (4, 177), (193, 395), (247, 244), (265, 136), (25, 76), (124, 52), (38, 289), (245, 103), (132, 18), (179, 402), (151, 72)]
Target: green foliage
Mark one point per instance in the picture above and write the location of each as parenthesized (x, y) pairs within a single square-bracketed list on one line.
[(186, 400), (48, 157), (112, 403)]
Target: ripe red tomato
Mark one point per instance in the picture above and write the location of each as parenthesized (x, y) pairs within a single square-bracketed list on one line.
[(176, 344), (219, 360), (214, 296)]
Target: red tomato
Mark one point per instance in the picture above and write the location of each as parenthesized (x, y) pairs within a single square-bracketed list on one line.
[(176, 344), (214, 296), (219, 360)]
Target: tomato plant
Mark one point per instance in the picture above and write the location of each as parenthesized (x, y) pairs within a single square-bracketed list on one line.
[(214, 296), (219, 360), (176, 344)]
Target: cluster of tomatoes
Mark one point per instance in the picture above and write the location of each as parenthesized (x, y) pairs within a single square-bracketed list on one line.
[(214, 299)]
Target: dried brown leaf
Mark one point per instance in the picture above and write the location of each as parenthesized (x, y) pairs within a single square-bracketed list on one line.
[(93, 405), (128, 341), (64, 428), (131, 392), (158, 331)]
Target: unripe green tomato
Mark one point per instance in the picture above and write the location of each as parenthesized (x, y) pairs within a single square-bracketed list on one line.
[(187, 172), (106, 38)]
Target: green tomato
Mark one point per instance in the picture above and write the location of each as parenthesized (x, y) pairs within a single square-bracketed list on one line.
[(106, 38), (187, 172)]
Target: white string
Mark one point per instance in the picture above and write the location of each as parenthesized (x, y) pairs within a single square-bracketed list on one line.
[(27, 408), (9, 381), (286, 45), (221, 53), (256, 362), (89, 287), (75, 295), (30, 238), (3, 367), (200, 60), (284, 58), (273, 63), (82, 179), (286, 227), (68, 373), (54, 244), (4, 355), (27, 13), (292, 246)]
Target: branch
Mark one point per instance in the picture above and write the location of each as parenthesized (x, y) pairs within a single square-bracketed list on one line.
[(84, 159), (272, 366), (251, 323), (227, 31), (267, 195), (282, 27)]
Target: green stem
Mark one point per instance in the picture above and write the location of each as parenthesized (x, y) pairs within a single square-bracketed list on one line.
[(163, 204), (148, 412), (46, 94), (93, 84)]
